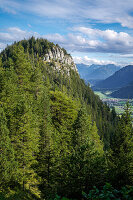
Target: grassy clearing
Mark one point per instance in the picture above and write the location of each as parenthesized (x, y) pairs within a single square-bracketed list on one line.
[(101, 95)]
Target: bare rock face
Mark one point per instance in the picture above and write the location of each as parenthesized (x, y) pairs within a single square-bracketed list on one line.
[(58, 55)]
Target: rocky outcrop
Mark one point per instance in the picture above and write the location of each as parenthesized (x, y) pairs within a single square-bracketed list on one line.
[(58, 55)]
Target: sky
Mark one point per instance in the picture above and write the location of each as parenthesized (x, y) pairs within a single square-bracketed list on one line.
[(92, 31)]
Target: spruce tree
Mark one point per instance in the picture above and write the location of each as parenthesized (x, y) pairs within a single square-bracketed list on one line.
[(17, 97), (63, 113), (45, 156), (7, 158), (86, 159), (121, 157)]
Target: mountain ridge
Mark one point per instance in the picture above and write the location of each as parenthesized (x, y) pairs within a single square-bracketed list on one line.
[(94, 73), (119, 79)]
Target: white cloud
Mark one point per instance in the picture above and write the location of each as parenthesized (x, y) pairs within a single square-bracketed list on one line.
[(2, 46), (127, 56), (103, 11), (55, 38), (89, 61), (106, 34), (108, 41), (10, 6), (81, 39), (77, 39), (15, 34), (54, 8), (120, 44)]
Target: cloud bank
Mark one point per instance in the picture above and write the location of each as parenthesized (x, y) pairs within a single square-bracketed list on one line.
[(81, 40), (89, 61)]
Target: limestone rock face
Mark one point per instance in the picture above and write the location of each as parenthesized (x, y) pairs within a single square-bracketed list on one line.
[(57, 54)]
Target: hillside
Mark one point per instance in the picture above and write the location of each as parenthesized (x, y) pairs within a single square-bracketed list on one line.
[(60, 70), (53, 128), (124, 92), (119, 79), (96, 73)]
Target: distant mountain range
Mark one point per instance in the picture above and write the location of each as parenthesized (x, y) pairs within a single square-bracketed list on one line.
[(121, 81), (109, 77), (96, 73)]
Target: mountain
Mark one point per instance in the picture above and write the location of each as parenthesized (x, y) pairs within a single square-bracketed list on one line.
[(119, 79), (53, 128), (96, 73), (55, 66), (85, 70), (102, 72), (124, 92)]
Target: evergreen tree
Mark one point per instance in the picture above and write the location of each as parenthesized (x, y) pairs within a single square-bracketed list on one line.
[(45, 155), (121, 158), (17, 98), (57, 148), (7, 158), (86, 160), (25, 138), (53, 140)]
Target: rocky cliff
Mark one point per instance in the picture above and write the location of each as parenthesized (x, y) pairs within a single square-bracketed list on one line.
[(60, 58)]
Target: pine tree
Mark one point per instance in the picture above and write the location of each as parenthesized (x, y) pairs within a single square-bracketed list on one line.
[(17, 98), (85, 164), (121, 158), (25, 138), (45, 156), (63, 113), (7, 159), (22, 66)]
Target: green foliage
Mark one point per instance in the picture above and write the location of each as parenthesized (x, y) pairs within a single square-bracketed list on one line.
[(17, 194), (53, 129), (7, 158), (86, 155), (63, 114), (35, 49), (109, 193), (60, 198), (17, 100), (121, 154)]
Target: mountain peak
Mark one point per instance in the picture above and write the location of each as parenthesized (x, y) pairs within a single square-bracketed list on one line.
[(50, 53), (58, 54)]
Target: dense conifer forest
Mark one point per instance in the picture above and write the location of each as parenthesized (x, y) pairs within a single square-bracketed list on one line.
[(57, 138)]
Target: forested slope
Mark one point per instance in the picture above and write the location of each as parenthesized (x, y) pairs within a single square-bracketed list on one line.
[(62, 77), (53, 129)]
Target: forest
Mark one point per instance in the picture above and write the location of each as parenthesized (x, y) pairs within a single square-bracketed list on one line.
[(57, 139)]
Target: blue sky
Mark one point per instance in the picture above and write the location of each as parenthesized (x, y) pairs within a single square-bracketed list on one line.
[(93, 31)]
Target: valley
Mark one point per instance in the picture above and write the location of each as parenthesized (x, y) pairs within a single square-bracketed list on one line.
[(117, 103), (113, 84)]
